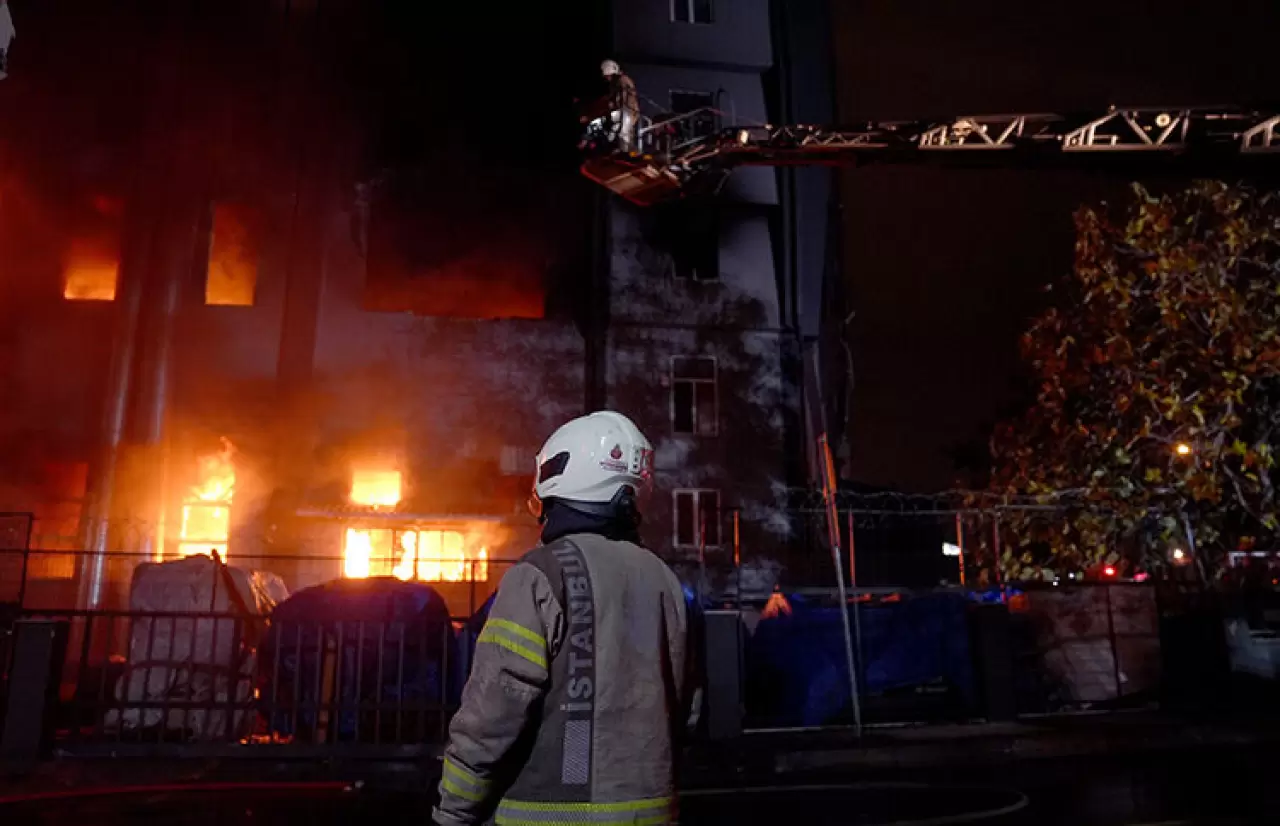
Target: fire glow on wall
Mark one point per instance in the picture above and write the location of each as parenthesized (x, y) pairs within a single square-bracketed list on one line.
[(91, 259), (425, 554), (89, 272), (206, 511)]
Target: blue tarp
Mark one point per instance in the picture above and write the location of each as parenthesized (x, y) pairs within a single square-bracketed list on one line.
[(392, 643), (796, 669)]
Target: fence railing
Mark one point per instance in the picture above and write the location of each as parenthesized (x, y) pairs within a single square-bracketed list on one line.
[(167, 678), (1086, 646), (942, 655), (41, 579), (200, 670), (209, 679)]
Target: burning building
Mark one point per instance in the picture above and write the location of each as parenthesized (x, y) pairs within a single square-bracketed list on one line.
[(206, 509), (385, 343)]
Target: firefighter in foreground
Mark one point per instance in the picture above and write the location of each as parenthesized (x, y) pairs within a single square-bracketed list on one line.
[(581, 684)]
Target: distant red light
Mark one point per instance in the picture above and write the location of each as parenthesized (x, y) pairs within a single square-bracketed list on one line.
[(1110, 570)]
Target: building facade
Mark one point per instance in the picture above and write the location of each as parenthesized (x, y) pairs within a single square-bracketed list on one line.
[(698, 349), (275, 351), (720, 299)]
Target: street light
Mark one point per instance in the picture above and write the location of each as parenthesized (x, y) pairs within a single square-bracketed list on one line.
[(1183, 449)]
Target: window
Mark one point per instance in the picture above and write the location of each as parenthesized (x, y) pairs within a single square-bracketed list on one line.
[(702, 108), (231, 273), (91, 255), (693, 395), (516, 461), (691, 11), (692, 237), (425, 555), (90, 271), (697, 511), (696, 258)]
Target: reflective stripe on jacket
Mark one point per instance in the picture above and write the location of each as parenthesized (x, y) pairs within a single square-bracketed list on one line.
[(578, 695)]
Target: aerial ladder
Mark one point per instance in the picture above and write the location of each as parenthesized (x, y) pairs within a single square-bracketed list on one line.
[(678, 155)]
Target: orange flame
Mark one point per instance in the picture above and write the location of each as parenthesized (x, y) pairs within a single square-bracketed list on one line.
[(777, 606), (357, 554), (206, 512), (427, 555), (376, 488)]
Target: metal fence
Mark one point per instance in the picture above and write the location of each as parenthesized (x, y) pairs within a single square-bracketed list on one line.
[(922, 568), (214, 677), (943, 655), (208, 681), (1086, 646), (15, 536)]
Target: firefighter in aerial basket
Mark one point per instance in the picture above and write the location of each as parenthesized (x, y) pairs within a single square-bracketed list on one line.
[(582, 684), (624, 106)]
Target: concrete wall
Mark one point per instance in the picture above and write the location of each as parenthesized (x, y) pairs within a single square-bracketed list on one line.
[(657, 317), (643, 30), (644, 289), (738, 319), (744, 460)]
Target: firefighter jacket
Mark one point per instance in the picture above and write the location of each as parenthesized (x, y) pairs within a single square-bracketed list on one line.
[(622, 94), (579, 693)]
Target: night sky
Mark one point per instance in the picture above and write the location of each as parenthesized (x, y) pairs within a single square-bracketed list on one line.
[(946, 267)]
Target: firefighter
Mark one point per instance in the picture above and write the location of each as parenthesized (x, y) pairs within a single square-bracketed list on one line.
[(624, 105), (581, 684)]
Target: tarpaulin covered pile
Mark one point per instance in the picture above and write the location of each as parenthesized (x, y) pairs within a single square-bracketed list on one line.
[(355, 657), (796, 670), (202, 661)]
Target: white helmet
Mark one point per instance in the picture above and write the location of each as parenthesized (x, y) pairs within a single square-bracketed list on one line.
[(593, 464), (609, 68)]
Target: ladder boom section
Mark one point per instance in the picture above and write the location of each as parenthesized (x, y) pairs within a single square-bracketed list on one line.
[(671, 162)]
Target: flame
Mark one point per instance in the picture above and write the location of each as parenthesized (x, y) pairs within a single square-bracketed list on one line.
[(357, 554), (409, 547), (376, 488), (427, 555), (206, 511), (217, 475)]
